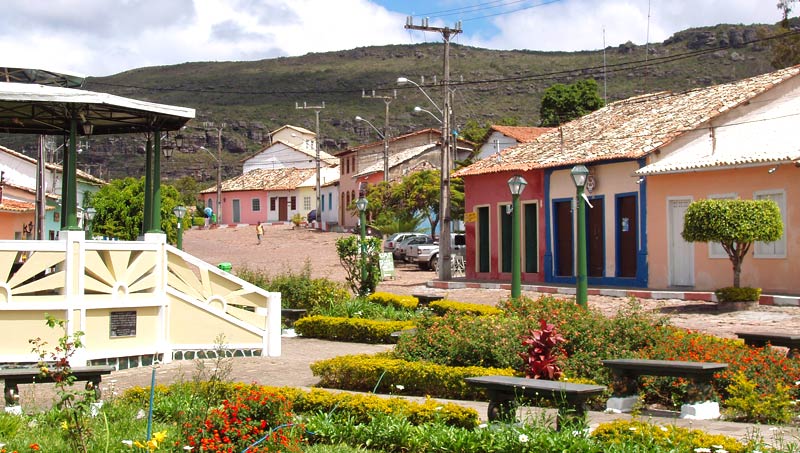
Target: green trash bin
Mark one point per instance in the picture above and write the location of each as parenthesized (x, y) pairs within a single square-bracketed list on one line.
[(225, 266)]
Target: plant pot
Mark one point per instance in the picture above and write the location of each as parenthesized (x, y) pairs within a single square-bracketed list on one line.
[(726, 307)]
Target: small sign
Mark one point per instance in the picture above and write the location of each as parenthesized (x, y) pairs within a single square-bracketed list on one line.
[(626, 225), (470, 217), (122, 324), (387, 265)]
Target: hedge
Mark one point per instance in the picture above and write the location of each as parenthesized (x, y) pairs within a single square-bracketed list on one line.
[(382, 373), (355, 330)]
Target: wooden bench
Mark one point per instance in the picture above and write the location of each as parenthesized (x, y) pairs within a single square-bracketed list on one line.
[(426, 299), (761, 339), (292, 314), (12, 377), (627, 371), (503, 391)]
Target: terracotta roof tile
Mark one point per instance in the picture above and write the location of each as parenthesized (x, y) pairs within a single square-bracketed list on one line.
[(16, 206), (397, 158), (266, 179), (520, 133), (629, 129)]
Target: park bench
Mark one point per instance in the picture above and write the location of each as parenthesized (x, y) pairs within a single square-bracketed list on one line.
[(761, 339), (504, 391), (12, 377), (291, 315), (426, 299), (627, 371)]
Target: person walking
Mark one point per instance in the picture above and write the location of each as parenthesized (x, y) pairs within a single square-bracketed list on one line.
[(259, 232)]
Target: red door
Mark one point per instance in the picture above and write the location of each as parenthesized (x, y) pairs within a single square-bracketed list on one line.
[(595, 239), (283, 211)]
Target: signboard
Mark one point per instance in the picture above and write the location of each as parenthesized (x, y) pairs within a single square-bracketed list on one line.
[(470, 217), (387, 265), (122, 324)]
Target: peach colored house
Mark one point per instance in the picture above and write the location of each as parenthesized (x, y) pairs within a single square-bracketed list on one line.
[(648, 156)]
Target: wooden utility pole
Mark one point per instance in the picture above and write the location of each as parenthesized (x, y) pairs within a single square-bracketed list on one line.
[(445, 259), (317, 109), (386, 100)]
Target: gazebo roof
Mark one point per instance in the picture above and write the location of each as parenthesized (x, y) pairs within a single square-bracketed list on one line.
[(27, 108)]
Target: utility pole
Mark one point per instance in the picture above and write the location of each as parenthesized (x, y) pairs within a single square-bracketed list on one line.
[(386, 100), (445, 271), (317, 109), (219, 167)]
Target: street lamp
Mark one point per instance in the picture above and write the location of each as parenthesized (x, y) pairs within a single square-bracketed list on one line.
[(516, 184), (90, 213), (361, 204), (579, 174), (385, 147), (179, 212), (418, 109), (403, 80)]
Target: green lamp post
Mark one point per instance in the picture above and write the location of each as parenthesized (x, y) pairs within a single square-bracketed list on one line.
[(179, 212), (579, 174), (516, 184), (361, 204)]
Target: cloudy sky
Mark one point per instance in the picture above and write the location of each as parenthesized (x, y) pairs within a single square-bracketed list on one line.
[(103, 37)]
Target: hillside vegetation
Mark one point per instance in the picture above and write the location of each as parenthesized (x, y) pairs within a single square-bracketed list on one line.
[(255, 97)]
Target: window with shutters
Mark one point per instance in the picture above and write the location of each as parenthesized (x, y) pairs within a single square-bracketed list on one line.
[(776, 249)]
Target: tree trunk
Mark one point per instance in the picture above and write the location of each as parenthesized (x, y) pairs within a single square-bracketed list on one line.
[(737, 270)]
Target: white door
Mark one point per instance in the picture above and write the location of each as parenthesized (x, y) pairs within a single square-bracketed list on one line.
[(681, 253)]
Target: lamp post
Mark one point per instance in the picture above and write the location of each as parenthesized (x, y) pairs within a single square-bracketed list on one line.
[(179, 212), (516, 184), (579, 174), (383, 137), (219, 181), (361, 204), (418, 109), (90, 213)]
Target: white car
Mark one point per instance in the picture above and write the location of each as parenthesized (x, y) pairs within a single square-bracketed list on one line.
[(391, 242), (401, 248)]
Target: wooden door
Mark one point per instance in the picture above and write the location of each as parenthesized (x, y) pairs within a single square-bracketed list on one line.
[(283, 209), (595, 238), (563, 238), (627, 236), (681, 253)]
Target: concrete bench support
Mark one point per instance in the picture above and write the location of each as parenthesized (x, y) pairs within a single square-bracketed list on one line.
[(626, 388), (506, 391)]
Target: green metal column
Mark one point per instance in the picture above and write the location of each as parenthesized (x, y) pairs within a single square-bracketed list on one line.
[(516, 275), (69, 197), (148, 186), (156, 202), (581, 284)]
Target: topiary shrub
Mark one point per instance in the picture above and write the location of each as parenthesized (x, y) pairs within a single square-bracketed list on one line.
[(383, 373), (357, 330), (733, 294), (444, 306), (394, 300)]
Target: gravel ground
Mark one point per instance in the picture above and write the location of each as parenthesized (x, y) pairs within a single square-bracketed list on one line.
[(285, 249)]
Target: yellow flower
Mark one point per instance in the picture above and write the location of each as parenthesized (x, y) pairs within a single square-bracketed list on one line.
[(64, 425), (139, 444), (160, 436)]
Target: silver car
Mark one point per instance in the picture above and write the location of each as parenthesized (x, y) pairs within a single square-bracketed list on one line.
[(401, 248)]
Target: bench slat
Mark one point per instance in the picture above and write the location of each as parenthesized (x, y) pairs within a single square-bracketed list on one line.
[(775, 339), (531, 387), (673, 368)]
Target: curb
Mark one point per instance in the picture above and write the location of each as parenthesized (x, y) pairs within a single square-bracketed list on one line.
[(781, 301)]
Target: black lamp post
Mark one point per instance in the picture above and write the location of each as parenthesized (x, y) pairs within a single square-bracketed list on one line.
[(579, 175), (361, 204), (516, 184), (179, 212)]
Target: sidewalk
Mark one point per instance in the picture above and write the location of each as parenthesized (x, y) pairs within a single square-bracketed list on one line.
[(292, 369)]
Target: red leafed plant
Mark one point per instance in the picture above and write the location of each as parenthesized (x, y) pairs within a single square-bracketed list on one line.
[(539, 361)]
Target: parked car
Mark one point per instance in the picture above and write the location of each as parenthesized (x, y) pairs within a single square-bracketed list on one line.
[(427, 255), (312, 215), (402, 247), (391, 242)]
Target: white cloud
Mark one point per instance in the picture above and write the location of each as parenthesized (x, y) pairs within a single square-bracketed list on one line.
[(101, 37)]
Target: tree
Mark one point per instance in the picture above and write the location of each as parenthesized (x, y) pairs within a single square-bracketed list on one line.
[(562, 103), (189, 190), (349, 250), (735, 224), (785, 51), (120, 210)]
